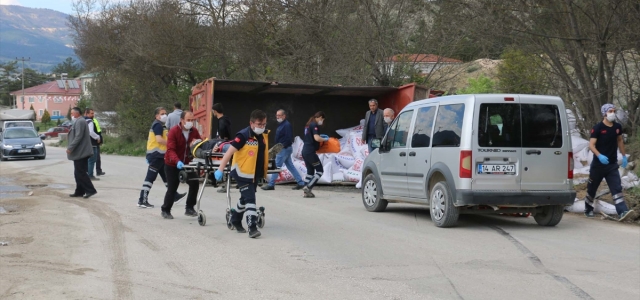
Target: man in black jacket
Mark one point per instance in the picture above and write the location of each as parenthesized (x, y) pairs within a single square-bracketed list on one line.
[(284, 136)]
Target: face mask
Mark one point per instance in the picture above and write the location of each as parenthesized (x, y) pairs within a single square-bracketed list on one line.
[(320, 122), (163, 118), (188, 125), (279, 120), (611, 117), (387, 120), (258, 130)]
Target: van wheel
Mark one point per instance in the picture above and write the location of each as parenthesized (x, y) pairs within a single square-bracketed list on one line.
[(550, 215), (443, 212), (372, 194)]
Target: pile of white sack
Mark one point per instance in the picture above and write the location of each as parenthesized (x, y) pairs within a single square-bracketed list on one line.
[(345, 166)]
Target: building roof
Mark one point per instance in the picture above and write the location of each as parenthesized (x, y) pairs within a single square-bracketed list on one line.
[(422, 58), (53, 87)]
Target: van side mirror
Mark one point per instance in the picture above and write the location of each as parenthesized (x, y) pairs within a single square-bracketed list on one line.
[(375, 143)]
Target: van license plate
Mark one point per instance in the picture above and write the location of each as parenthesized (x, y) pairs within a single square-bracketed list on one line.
[(497, 169), (24, 151)]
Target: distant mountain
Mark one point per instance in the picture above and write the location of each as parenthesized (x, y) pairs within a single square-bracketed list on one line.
[(41, 34)]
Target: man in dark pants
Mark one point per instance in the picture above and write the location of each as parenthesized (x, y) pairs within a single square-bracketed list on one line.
[(79, 150), (606, 138), (373, 124), (249, 165), (96, 126), (95, 139), (179, 140), (284, 136)]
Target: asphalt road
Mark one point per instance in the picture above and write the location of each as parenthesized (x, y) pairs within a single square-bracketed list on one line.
[(329, 247)]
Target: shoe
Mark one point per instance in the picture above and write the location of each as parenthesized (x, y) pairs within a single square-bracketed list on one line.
[(100, 173), (87, 195), (166, 215), (254, 233), (222, 190), (239, 228), (179, 197), (298, 187), (75, 195), (625, 214), (268, 188), (93, 178), (588, 214), (190, 212), (145, 204), (307, 192)]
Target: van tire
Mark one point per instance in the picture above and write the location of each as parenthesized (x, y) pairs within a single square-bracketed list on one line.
[(443, 212), (372, 194), (550, 215)]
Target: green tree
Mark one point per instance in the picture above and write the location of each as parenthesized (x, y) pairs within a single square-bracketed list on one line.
[(69, 113), (69, 66), (46, 118), (58, 122), (31, 108), (83, 103), (480, 85), (521, 73)]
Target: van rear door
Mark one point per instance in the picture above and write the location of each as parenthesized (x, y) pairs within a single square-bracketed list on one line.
[(496, 153), (545, 147)]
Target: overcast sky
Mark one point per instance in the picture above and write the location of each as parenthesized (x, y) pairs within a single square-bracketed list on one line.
[(65, 6)]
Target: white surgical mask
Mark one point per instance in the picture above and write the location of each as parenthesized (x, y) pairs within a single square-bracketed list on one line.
[(387, 120), (73, 119), (188, 125), (320, 122), (258, 130), (611, 117), (280, 120), (163, 118)]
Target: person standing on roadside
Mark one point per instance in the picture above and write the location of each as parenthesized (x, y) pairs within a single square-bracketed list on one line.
[(96, 126), (156, 149), (79, 150), (95, 139), (373, 124), (174, 117), (284, 136), (179, 141), (388, 118), (606, 139), (224, 124), (312, 139), (249, 166)]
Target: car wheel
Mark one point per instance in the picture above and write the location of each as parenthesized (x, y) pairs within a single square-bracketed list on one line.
[(550, 215), (372, 194), (443, 212)]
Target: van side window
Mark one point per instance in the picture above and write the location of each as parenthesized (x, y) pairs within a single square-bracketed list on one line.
[(541, 126), (399, 131), (422, 129), (448, 126), (499, 125)]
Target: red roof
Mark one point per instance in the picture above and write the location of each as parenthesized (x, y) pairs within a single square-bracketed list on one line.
[(50, 88), (422, 58)]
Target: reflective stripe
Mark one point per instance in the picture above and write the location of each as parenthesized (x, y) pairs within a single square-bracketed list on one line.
[(251, 205), (251, 213), (589, 200), (618, 198)]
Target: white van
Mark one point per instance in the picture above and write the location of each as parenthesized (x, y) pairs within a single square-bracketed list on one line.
[(474, 154)]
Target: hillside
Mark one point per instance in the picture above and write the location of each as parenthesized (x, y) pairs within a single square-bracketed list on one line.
[(41, 34)]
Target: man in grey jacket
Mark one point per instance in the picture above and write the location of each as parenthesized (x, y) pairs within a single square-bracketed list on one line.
[(373, 124), (174, 118), (79, 150)]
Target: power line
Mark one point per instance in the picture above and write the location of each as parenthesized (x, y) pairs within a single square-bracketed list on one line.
[(23, 60)]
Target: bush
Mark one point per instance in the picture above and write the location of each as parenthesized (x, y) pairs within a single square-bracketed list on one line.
[(46, 118), (122, 146), (481, 85)]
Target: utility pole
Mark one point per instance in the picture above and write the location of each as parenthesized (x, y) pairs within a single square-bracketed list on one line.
[(22, 59)]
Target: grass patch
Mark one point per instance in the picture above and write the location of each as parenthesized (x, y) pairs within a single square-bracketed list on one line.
[(120, 146)]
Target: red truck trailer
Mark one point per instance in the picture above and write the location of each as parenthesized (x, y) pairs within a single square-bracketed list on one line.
[(344, 106)]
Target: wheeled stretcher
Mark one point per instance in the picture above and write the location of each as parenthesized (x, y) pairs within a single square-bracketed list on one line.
[(210, 162)]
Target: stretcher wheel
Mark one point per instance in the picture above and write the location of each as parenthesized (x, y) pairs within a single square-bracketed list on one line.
[(261, 221), (229, 225), (182, 175), (202, 219)]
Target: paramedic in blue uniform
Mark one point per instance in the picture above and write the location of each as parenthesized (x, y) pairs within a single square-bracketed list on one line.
[(606, 138), (248, 167), (312, 139)]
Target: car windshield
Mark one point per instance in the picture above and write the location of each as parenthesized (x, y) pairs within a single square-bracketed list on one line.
[(20, 133)]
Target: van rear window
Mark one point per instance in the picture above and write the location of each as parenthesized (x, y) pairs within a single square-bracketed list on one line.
[(514, 125)]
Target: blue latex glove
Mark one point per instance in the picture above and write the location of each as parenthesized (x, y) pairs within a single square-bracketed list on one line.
[(180, 165), (603, 159), (325, 137), (624, 161), (218, 175)]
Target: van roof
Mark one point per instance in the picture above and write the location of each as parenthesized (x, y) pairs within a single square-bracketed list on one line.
[(472, 98)]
